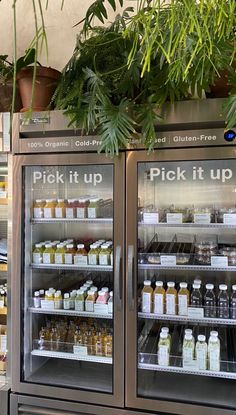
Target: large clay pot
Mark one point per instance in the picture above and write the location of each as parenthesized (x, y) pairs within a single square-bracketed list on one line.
[(45, 85), (6, 91)]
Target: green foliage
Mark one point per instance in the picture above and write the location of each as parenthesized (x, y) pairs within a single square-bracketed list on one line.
[(6, 69)]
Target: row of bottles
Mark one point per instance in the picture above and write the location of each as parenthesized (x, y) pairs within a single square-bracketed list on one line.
[(58, 252), (199, 356), (3, 295), (76, 337), (81, 208), (172, 302)]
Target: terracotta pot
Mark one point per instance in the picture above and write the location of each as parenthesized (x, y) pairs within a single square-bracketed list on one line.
[(221, 87), (46, 83), (6, 91)]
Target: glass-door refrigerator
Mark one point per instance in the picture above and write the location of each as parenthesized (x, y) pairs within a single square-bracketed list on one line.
[(181, 264), (68, 277)]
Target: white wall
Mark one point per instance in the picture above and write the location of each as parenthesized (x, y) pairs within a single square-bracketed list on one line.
[(60, 31)]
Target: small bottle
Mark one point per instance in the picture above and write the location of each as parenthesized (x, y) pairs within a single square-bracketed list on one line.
[(233, 303), (147, 294), (163, 350), (49, 209), (48, 254), (183, 299), (171, 299), (110, 303), (38, 254), (101, 299), (197, 281), (188, 350), (60, 209), (66, 301), (73, 295), (89, 302), (108, 345), (38, 208), (167, 331), (98, 344), (81, 256), (69, 254), (104, 255), (58, 300), (214, 353), (70, 209), (215, 334), (210, 302), (93, 255), (93, 208), (223, 302), (37, 300), (60, 254), (79, 301), (201, 352), (106, 291), (42, 293), (82, 208), (159, 298), (196, 296)]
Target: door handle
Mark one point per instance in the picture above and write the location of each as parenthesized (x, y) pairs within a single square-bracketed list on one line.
[(118, 278), (131, 277)]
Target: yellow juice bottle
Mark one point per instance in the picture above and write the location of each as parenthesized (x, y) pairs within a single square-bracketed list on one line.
[(159, 298), (147, 295), (60, 209), (49, 208), (38, 208), (48, 254), (171, 299), (60, 254), (183, 299)]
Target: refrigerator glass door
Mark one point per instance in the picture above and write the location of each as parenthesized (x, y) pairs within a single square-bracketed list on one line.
[(183, 292)]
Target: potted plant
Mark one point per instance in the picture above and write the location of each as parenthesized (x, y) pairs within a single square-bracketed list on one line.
[(6, 85)]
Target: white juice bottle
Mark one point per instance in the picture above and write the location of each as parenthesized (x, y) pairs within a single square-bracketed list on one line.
[(201, 352), (188, 351), (163, 350), (214, 353)]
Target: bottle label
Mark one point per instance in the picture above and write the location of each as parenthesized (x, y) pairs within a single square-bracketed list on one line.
[(103, 259), (59, 212), (163, 355), (92, 259), (3, 343), (183, 305), (80, 260), (37, 258), (214, 359), (2, 303), (92, 213), (37, 302), (66, 304), (48, 304), (159, 304), (170, 304), (69, 213), (110, 307), (89, 305), (58, 304), (187, 356), (201, 356), (146, 302), (68, 259), (58, 258), (82, 350), (46, 258), (79, 305), (81, 213), (38, 213), (48, 213)]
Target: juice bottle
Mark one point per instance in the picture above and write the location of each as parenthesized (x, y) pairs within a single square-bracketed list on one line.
[(201, 352), (70, 209), (48, 254), (38, 208), (110, 303), (41, 293), (60, 254), (171, 298), (81, 256), (82, 208), (79, 300), (93, 208), (90, 300), (101, 299), (188, 350), (106, 291), (196, 296), (223, 301), (104, 255), (167, 331), (98, 344), (38, 254), (66, 301), (147, 294), (60, 209), (183, 299), (37, 300), (93, 255), (69, 254), (163, 350), (214, 353), (159, 298), (95, 290), (49, 296), (233, 303), (58, 300), (108, 345), (49, 208), (42, 339), (210, 302)]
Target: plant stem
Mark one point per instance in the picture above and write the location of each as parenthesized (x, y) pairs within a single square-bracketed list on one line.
[(14, 60)]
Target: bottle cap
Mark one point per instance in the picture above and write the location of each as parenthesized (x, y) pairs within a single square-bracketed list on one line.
[(93, 288), (49, 200), (159, 283), (101, 293), (201, 338), (59, 246), (56, 241), (234, 287), (38, 200), (80, 246), (38, 245), (60, 200), (183, 285), (41, 291), (188, 336), (171, 284), (80, 291), (196, 286), (58, 292), (163, 335), (90, 292), (214, 333), (104, 246), (188, 331), (111, 293), (36, 293), (105, 289), (223, 287), (197, 281), (209, 286), (48, 245), (66, 295), (94, 199), (51, 289), (165, 329), (70, 200), (147, 282), (69, 246), (90, 282)]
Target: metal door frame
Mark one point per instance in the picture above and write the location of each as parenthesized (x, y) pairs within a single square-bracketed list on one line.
[(117, 397), (133, 158)]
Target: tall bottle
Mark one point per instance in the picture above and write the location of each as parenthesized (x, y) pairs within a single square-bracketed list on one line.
[(188, 350), (163, 350), (210, 302), (183, 299), (159, 298), (196, 296), (167, 331), (147, 294), (201, 352), (214, 353), (233, 303), (223, 302), (171, 299)]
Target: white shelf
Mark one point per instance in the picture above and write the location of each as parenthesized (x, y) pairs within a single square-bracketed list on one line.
[(103, 268), (69, 313), (186, 319), (189, 225), (72, 220), (186, 267), (72, 356)]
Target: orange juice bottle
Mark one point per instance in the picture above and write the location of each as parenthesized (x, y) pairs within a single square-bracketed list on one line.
[(159, 298), (49, 208), (69, 254), (60, 209), (171, 299), (38, 208), (81, 256), (147, 294), (183, 299), (90, 300)]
